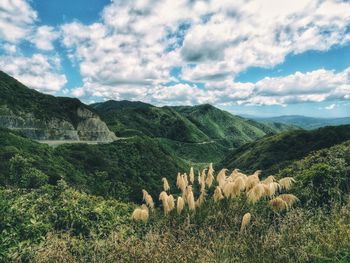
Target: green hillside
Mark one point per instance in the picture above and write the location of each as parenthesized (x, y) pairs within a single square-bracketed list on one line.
[(137, 118), (276, 151), (226, 128), (198, 134), (119, 169)]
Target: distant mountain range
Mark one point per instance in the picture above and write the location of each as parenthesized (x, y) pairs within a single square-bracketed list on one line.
[(303, 121)]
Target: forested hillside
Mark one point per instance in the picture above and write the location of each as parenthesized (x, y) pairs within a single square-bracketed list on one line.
[(275, 152)]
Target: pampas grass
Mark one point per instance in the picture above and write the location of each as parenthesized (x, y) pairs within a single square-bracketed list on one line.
[(278, 204), (141, 214), (191, 175), (256, 193), (184, 176), (210, 177), (221, 177), (251, 181), (203, 176), (148, 199), (268, 180), (245, 221), (171, 202), (286, 182), (180, 204), (218, 194), (164, 198), (240, 182), (166, 186), (190, 199), (201, 198), (289, 199), (229, 187), (271, 188), (180, 182)]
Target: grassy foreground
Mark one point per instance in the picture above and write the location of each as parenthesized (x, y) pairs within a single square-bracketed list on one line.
[(60, 224)]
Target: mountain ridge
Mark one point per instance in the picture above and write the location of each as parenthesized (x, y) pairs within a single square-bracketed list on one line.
[(304, 122)]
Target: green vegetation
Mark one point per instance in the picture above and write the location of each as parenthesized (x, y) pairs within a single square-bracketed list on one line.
[(59, 224), (226, 128), (135, 118), (120, 169), (198, 134), (323, 177), (277, 151), (27, 216)]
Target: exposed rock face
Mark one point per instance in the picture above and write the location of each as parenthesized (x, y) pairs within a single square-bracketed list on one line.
[(89, 126)]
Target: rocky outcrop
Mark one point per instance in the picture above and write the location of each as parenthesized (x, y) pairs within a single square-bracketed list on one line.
[(89, 126)]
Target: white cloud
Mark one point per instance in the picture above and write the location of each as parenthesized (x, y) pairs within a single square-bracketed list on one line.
[(19, 22), (315, 86), (37, 71), (330, 107), (16, 19), (44, 37), (78, 92), (9, 48), (130, 52)]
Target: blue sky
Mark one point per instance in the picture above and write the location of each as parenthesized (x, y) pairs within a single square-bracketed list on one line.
[(249, 57)]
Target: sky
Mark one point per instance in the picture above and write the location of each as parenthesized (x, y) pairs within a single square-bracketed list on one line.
[(249, 57)]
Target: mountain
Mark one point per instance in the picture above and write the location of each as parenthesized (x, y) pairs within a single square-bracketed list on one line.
[(189, 124), (226, 128), (128, 118), (304, 122), (274, 152), (46, 117)]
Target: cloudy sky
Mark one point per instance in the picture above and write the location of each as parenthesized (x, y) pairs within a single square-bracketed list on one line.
[(270, 57)]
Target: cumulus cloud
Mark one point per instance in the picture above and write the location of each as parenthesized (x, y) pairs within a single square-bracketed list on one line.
[(130, 53), (315, 86), (19, 22), (16, 19), (44, 37), (37, 71)]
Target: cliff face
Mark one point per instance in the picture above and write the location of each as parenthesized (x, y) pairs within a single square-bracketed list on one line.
[(44, 117), (89, 127)]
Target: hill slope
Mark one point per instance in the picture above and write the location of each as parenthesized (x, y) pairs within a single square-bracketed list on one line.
[(275, 152), (127, 118), (119, 169), (46, 117), (305, 122), (227, 128), (197, 124)]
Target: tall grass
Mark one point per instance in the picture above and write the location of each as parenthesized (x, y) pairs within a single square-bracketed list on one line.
[(192, 195)]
